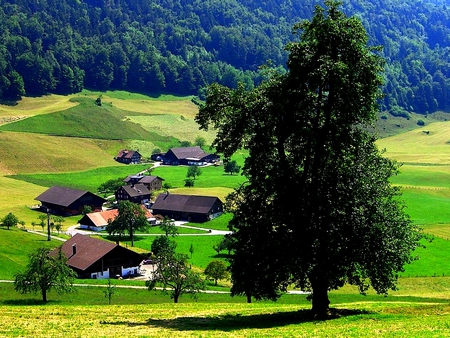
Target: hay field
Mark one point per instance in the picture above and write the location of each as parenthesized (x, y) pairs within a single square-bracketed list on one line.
[(426, 145)]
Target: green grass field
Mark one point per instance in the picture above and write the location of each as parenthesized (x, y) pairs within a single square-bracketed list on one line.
[(79, 153)]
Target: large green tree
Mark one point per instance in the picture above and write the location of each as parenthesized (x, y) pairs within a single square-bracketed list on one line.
[(130, 219), (45, 272), (318, 210)]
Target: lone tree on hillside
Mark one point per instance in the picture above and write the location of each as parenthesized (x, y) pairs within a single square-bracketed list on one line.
[(45, 272), (306, 134), (131, 218), (10, 220)]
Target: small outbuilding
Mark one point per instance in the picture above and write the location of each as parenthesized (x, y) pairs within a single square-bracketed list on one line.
[(67, 201), (189, 208), (99, 259)]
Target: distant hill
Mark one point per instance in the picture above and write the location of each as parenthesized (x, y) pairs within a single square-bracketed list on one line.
[(180, 46)]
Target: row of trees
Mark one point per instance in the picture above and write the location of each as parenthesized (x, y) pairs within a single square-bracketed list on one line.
[(182, 46)]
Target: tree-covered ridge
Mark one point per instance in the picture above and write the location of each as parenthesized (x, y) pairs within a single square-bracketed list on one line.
[(180, 46)]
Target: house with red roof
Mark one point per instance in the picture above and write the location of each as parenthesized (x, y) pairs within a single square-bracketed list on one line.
[(97, 221)]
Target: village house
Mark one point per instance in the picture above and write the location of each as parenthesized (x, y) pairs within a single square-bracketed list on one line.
[(189, 156), (137, 193), (99, 259), (97, 221), (189, 208), (67, 201), (128, 157), (152, 183)]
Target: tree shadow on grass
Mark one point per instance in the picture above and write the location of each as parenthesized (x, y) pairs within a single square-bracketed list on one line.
[(232, 322)]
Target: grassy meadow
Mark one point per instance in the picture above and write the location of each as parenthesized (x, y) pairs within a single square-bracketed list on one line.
[(68, 140)]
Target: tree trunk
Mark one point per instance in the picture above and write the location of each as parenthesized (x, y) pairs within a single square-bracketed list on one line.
[(44, 295), (320, 301), (175, 297), (249, 297)]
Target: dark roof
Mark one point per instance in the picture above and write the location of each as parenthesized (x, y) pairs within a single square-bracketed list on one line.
[(185, 203), (189, 152), (149, 179), (142, 178), (88, 250), (62, 196), (127, 153), (136, 190)]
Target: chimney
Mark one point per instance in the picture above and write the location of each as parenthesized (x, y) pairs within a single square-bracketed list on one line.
[(74, 249)]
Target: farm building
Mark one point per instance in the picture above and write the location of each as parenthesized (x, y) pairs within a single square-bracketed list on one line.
[(67, 201), (188, 156), (189, 208), (95, 258), (137, 193), (152, 183), (128, 156), (97, 221)]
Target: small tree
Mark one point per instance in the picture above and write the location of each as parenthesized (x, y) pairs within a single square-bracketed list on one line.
[(110, 291), (191, 249), (216, 270), (161, 244), (189, 182), (110, 186), (200, 141), (218, 247), (42, 221), (168, 227), (193, 171), (231, 167), (177, 278), (87, 209), (58, 221), (45, 272), (10, 220)]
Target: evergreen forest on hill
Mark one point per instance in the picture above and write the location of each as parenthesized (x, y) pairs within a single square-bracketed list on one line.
[(181, 46)]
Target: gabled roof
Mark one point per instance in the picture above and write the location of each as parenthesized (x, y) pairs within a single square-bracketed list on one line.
[(62, 196), (185, 203), (88, 250), (147, 179), (189, 152), (124, 153), (101, 218), (136, 190)]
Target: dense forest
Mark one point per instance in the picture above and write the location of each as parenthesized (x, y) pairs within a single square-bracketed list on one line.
[(180, 46)]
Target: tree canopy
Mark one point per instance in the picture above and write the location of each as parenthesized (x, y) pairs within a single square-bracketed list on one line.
[(130, 219), (318, 210), (45, 272)]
